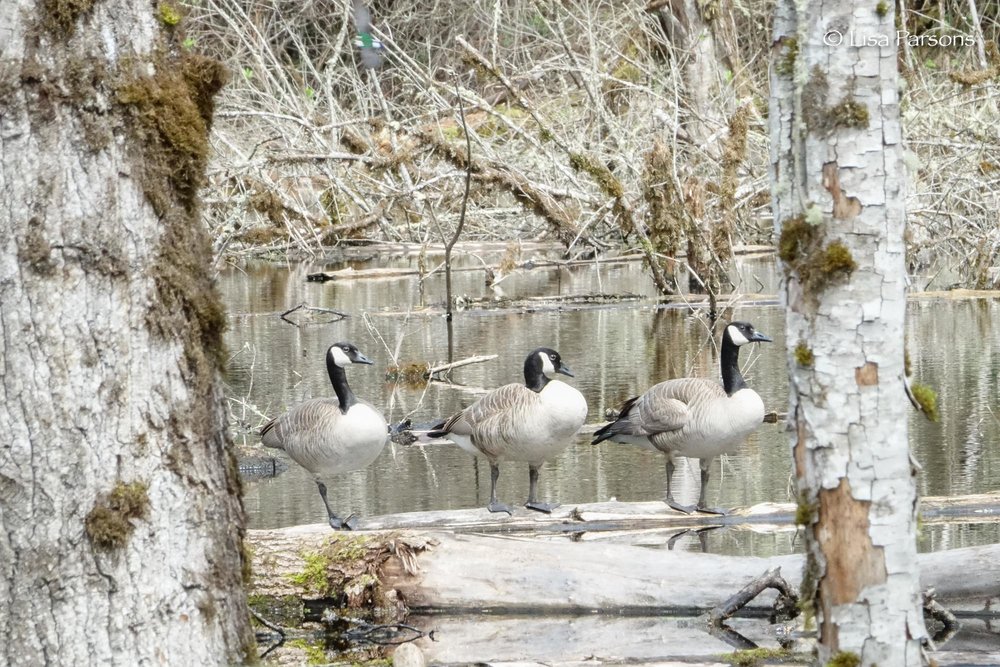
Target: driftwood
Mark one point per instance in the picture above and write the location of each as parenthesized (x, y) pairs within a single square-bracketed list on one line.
[(558, 587), (415, 561), (444, 368)]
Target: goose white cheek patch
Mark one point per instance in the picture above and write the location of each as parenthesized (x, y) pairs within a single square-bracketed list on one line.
[(340, 357), (547, 366), (737, 336)]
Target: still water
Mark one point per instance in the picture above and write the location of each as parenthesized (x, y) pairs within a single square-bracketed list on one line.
[(615, 352)]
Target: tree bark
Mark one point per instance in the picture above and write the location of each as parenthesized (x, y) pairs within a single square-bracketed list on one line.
[(838, 198), (120, 519)]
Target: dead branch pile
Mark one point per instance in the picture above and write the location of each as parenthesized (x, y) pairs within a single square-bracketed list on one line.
[(597, 124)]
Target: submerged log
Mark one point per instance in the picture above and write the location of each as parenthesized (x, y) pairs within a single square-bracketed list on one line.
[(619, 516), (402, 272), (413, 561)]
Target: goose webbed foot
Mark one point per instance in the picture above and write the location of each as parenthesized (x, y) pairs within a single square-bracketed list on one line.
[(541, 507), (711, 510), (673, 504), (350, 523), (496, 506)]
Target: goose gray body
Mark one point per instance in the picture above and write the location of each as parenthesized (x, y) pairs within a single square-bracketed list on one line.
[(530, 422), (324, 440), (329, 436), (690, 417), (694, 417)]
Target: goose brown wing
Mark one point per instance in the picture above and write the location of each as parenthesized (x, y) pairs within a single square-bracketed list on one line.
[(659, 410), (667, 406), (491, 417), (300, 419)]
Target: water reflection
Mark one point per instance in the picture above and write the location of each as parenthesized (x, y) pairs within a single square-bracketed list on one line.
[(615, 352)]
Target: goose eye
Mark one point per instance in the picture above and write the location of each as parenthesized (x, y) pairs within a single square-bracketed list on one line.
[(552, 357)]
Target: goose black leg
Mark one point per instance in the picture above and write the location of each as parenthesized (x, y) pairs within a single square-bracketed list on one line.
[(705, 464), (496, 506), (335, 521), (687, 509), (533, 503)]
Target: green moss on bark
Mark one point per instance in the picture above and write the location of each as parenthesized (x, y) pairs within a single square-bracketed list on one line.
[(58, 17), (818, 265), (597, 170), (804, 356), (849, 113), (170, 113), (926, 398), (109, 525), (844, 659), (789, 54)]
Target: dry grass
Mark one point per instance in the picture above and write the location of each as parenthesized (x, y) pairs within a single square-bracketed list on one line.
[(954, 196)]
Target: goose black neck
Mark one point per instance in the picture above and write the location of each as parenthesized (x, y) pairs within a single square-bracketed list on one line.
[(338, 378), (534, 378), (732, 379)]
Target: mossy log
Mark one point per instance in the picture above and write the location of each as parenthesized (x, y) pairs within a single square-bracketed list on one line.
[(446, 561)]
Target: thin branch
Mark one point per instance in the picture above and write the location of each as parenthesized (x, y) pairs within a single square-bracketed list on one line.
[(461, 217), (786, 602)]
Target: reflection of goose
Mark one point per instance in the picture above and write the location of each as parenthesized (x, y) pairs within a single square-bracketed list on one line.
[(694, 417), (520, 422), (327, 436)]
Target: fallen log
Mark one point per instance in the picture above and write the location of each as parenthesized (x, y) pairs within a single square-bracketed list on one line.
[(446, 572), (402, 272), (414, 562)]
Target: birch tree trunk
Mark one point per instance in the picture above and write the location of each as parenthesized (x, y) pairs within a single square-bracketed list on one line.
[(838, 193), (120, 519)]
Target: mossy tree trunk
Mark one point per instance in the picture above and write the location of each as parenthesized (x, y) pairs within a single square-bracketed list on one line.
[(120, 520), (838, 186)]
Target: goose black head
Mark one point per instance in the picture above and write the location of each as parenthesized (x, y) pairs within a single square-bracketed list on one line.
[(551, 362), (741, 333), (345, 354), (539, 364)]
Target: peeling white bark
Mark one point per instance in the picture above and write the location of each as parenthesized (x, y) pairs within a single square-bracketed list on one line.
[(89, 397), (850, 444)]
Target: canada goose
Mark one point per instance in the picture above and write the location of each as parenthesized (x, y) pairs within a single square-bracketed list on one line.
[(327, 436), (520, 422), (694, 417)]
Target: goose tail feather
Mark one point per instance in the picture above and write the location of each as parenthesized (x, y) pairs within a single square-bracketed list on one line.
[(620, 425)]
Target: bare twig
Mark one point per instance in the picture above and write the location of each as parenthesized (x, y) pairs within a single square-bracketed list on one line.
[(461, 217), (948, 620), (785, 604), (447, 368)]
